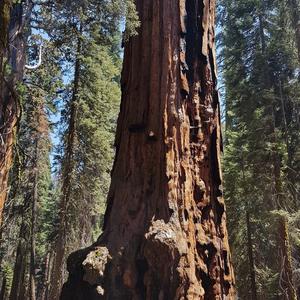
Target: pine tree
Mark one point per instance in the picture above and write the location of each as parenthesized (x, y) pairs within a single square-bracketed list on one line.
[(23, 248), (259, 70), (89, 117)]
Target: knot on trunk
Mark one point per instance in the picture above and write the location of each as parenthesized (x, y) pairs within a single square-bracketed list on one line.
[(164, 247), (163, 244), (94, 265)]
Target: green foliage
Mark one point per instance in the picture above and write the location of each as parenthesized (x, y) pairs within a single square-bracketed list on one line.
[(98, 101), (32, 154), (261, 91), (88, 38), (132, 20)]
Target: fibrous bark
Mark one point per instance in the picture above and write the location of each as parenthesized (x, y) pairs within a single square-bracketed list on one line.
[(286, 274), (165, 231), (12, 55)]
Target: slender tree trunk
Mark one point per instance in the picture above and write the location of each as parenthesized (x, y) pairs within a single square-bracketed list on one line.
[(3, 289), (18, 284), (67, 175), (33, 224), (249, 237), (286, 282), (251, 258), (165, 231), (289, 292), (295, 18), (44, 290), (291, 173)]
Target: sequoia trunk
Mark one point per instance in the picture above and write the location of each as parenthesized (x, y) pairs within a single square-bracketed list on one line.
[(12, 54), (165, 231)]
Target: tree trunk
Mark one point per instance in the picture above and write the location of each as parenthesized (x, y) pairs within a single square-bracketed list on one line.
[(289, 292), (286, 283), (249, 236), (286, 278), (251, 258), (67, 175), (19, 283), (9, 105), (295, 18), (33, 223), (165, 233), (3, 289), (5, 6), (44, 290)]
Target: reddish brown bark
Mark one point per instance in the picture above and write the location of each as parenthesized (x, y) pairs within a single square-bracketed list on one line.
[(5, 158), (12, 53), (46, 279), (165, 231), (286, 272)]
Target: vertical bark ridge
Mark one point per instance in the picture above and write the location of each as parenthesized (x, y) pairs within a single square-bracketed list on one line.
[(165, 227), (12, 53), (286, 272)]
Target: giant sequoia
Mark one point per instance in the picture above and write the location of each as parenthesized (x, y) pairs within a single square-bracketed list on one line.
[(165, 231), (11, 56), (14, 17)]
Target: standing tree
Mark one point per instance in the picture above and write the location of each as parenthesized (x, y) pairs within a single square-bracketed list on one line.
[(260, 76), (165, 233), (89, 46), (295, 18), (14, 18), (33, 193)]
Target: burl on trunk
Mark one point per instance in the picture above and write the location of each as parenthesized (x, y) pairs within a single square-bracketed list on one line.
[(165, 231)]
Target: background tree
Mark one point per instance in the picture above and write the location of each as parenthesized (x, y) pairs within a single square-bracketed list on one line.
[(260, 64), (23, 247), (33, 213), (92, 50)]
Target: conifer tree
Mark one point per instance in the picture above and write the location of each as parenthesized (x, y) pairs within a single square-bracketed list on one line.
[(259, 71), (90, 110), (11, 72)]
